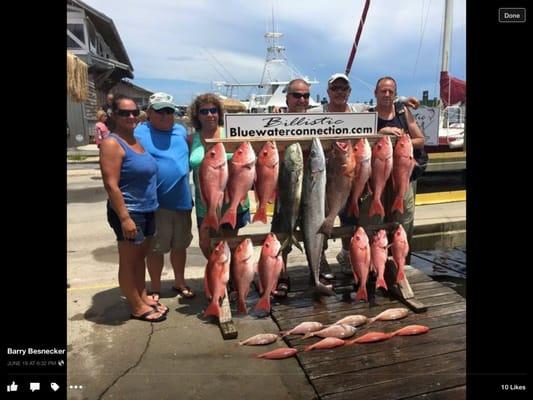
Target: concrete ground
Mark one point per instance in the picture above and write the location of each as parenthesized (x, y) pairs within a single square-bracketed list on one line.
[(184, 357)]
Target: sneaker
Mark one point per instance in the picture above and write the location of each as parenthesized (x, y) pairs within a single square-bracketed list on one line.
[(325, 269), (344, 261)]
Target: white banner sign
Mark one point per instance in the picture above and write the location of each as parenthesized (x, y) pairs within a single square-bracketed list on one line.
[(293, 125), (428, 121)]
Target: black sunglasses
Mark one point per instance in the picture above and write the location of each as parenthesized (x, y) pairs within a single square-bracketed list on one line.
[(300, 95), (166, 111), (127, 113), (205, 111)]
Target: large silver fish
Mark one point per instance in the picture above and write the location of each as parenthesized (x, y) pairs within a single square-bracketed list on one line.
[(289, 195), (313, 211)]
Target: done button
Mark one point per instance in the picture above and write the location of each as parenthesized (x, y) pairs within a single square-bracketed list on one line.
[(509, 15)]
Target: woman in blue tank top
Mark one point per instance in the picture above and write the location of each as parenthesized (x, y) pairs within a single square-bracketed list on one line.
[(129, 174)]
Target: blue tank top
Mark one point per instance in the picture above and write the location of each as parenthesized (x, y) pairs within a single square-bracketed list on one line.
[(138, 178)]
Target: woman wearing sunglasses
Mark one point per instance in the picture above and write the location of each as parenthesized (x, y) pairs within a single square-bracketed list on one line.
[(129, 176), (207, 118)]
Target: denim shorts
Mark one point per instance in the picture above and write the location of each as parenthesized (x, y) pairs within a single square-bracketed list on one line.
[(145, 223), (242, 220)]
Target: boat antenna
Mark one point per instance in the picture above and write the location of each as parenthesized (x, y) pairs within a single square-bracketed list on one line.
[(357, 37), (220, 64), (422, 31)]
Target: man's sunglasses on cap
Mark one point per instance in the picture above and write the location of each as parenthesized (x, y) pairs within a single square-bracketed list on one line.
[(127, 113), (205, 111), (300, 95)]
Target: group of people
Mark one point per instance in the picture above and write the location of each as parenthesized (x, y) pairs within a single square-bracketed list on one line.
[(145, 169)]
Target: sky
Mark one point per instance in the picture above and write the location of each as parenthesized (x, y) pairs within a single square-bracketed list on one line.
[(182, 47)]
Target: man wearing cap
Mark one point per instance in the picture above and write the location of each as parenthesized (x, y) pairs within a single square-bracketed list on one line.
[(166, 141)]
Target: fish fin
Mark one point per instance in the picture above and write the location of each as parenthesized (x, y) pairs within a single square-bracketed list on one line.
[(398, 204), (296, 243), (227, 197), (263, 303), (400, 277), (213, 309), (241, 307), (260, 214), (381, 283), (230, 217), (376, 208), (361, 293)]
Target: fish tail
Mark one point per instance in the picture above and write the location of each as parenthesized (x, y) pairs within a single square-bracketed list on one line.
[(326, 227), (398, 204), (212, 310), (401, 275), (229, 217), (381, 283), (263, 303), (296, 243), (260, 214), (361, 293), (376, 208), (308, 348)]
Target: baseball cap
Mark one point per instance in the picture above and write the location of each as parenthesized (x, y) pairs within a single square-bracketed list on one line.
[(334, 77), (160, 100)]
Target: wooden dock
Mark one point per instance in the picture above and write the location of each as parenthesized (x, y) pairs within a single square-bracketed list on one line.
[(428, 366)]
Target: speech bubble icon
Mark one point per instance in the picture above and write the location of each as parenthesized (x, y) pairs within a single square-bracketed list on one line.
[(35, 386), (54, 386)]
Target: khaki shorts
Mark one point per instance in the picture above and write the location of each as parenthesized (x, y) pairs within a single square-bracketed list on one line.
[(173, 230)]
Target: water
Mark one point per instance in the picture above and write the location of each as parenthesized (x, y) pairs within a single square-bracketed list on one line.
[(445, 266)]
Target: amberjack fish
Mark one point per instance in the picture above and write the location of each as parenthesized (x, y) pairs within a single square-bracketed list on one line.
[(313, 212), (360, 260), (403, 165), (267, 170), (340, 175), (379, 252), (288, 201), (381, 170), (240, 181), (213, 176), (216, 277), (243, 268), (400, 249), (261, 339)]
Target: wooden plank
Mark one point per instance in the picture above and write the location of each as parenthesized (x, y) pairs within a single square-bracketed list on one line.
[(225, 321), (398, 380), (456, 393)]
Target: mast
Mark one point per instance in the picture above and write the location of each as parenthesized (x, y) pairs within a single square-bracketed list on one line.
[(357, 37), (447, 35)]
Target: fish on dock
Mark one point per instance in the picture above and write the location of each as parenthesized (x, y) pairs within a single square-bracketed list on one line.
[(269, 267), (400, 249), (303, 328), (353, 320), (340, 331), (379, 254), (390, 314), (360, 258), (411, 330), (243, 268), (327, 343), (370, 337), (216, 277), (260, 339), (278, 354)]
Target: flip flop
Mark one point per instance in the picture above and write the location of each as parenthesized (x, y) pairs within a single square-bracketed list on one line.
[(154, 306), (185, 292), (144, 316), (152, 295)]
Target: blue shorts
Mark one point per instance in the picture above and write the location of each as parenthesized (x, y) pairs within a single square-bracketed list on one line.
[(145, 223), (242, 220)]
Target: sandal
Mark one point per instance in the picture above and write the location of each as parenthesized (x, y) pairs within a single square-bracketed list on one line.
[(165, 310), (185, 292), (144, 317), (152, 294), (282, 288)]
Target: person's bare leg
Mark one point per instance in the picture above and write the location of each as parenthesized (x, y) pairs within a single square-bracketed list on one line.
[(155, 264), (178, 259), (128, 278), (141, 279)]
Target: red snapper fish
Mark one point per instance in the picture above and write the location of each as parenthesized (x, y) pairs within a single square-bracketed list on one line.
[(258, 340), (390, 314), (340, 331), (360, 260), (303, 328), (379, 254), (213, 180), (327, 343), (278, 354), (353, 320), (241, 179), (216, 277), (411, 330), (381, 170), (369, 337), (363, 169), (400, 249), (269, 268), (243, 269), (266, 183), (404, 163)]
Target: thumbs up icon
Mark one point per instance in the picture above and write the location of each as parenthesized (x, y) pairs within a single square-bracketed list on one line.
[(13, 387)]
